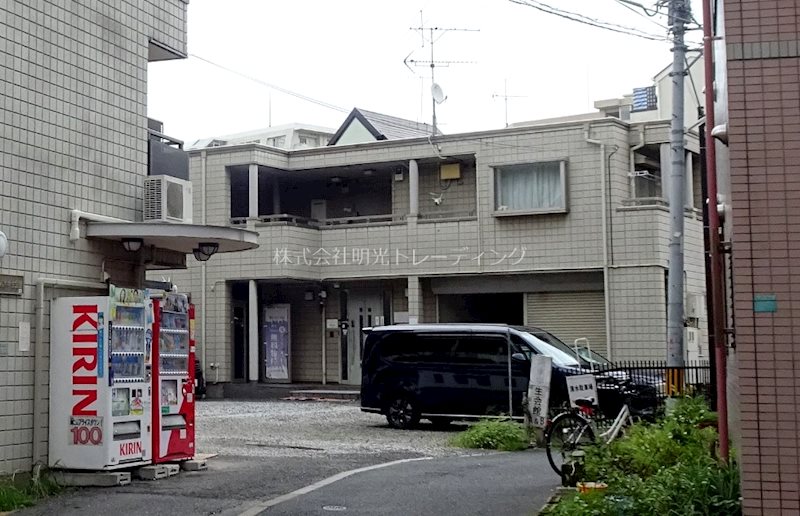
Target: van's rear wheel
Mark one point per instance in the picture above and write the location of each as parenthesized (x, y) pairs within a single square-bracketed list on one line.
[(402, 412)]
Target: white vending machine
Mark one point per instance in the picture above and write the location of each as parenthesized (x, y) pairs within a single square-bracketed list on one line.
[(100, 368)]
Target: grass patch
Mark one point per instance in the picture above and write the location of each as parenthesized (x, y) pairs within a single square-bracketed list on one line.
[(490, 434), (16, 493)]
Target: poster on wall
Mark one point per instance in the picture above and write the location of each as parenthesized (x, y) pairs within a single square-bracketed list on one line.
[(277, 342)]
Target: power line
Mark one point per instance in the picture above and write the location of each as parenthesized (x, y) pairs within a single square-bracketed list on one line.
[(586, 20), (644, 13), (273, 86)]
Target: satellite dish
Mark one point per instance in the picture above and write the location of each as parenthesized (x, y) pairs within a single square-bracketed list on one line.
[(437, 93)]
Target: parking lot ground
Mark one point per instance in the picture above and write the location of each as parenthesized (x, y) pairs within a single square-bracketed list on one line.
[(264, 449)]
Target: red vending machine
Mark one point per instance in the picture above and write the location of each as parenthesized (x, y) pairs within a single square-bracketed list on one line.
[(173, 378)]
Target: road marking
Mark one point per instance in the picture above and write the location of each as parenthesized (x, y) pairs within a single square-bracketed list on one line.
[(266, 504)]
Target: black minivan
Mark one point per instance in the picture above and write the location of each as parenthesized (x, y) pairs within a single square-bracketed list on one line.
[(443, 372)]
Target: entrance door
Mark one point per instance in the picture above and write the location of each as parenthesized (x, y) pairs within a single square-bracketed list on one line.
[(239, 331), (364, 309)]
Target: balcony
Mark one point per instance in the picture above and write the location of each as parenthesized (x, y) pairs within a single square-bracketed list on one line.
[(165, 155)]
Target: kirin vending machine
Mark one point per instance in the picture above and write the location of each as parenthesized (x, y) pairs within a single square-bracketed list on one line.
[(100, 413), (173, 378)]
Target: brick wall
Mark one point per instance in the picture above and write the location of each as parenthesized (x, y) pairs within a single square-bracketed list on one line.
[(764, 140)]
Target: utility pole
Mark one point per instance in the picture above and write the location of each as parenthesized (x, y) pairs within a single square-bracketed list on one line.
[(678, 14)]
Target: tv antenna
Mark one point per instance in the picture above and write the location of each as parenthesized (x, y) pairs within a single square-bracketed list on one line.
[(437, 94), (505, 96)]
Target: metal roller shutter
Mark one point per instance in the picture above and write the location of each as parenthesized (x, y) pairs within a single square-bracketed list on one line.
[(570, 315)]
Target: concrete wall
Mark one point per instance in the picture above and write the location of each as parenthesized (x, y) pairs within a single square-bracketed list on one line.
[(74, 136)]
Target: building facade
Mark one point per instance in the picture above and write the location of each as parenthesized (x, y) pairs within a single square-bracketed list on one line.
[(758, 95), (76, 150), (560, 224)]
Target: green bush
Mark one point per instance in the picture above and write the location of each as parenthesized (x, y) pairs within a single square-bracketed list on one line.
[(669, 467), (492, 435)]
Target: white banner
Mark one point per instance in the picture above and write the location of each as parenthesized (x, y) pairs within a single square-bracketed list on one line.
[(539, 389)]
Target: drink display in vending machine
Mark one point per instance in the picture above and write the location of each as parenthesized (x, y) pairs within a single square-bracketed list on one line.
[(173, 378), (100, 381)]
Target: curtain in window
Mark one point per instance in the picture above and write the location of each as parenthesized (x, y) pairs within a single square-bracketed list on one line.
[(534, 186)]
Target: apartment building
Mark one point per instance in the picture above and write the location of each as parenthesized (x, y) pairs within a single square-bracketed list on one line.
[(757, 67), (557, 223), (76, 152), (287, 136)]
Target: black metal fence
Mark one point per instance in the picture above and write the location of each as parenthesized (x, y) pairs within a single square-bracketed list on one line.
[(694, 377)]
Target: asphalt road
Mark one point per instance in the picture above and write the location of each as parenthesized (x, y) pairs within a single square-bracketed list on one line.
[(269, 449), (500, 484)]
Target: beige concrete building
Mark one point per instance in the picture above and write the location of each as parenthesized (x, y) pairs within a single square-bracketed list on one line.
[(561, 224), (76, 152)]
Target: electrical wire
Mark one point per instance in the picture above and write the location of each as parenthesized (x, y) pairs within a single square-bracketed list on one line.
[(586, 20), (644, 13), (273, 86)]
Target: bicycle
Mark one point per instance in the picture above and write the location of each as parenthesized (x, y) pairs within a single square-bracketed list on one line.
[(575, 428)]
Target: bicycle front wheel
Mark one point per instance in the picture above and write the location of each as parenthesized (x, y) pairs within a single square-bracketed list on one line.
[(567, 433)]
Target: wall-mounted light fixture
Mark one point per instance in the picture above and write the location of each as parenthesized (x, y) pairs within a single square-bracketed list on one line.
[(205, 250), (3, 244), (132, 244)]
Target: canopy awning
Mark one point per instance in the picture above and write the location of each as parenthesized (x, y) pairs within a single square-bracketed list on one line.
[(182, 238)]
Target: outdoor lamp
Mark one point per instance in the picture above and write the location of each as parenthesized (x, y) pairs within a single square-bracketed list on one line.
[(199, 255), (208, 248), (132, 244)]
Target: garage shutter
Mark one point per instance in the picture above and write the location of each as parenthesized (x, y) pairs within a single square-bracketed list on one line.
[(570, 315)]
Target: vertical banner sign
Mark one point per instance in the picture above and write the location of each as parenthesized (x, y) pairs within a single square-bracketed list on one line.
[(582, 386), (539, 389), (276, 342)]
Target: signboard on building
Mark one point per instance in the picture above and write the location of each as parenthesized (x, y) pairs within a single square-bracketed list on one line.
[(11, 284), (277, 342)]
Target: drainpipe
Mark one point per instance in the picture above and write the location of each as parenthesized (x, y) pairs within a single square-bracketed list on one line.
[(203, 271), (38, 353), (324, 341), (77, 215), (717, 296), (604, 221)]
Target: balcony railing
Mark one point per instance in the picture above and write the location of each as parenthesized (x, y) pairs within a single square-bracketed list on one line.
[(447, 216), (297, 220), (166, 156)]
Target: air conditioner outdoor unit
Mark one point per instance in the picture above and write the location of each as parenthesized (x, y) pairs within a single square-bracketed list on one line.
[(167, 199)]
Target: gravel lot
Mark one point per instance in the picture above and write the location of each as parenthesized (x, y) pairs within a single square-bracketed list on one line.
[(265, 449), (308, 428)]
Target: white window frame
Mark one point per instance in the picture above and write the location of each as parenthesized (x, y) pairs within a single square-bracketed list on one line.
[(497, 176)]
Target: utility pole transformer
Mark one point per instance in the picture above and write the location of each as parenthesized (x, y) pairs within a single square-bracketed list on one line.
[(679, 12)]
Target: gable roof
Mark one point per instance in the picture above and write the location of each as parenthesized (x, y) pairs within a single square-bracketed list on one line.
[(383, 127)]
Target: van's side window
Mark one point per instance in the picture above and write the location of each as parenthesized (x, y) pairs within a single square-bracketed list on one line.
[(480, 349), (410, 348)]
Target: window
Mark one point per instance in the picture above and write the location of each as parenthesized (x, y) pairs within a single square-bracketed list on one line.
[(481, 350), (277, 141), (531, 188), (413, 348)]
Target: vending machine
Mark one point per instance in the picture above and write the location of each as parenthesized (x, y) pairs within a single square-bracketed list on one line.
[(100, 360), (173, 378)]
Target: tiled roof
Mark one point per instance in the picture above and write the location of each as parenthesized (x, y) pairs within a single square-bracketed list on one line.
[(384, 127), (394, 128)]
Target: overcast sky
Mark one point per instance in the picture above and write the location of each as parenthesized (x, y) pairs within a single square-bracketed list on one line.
[(350, 53)]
